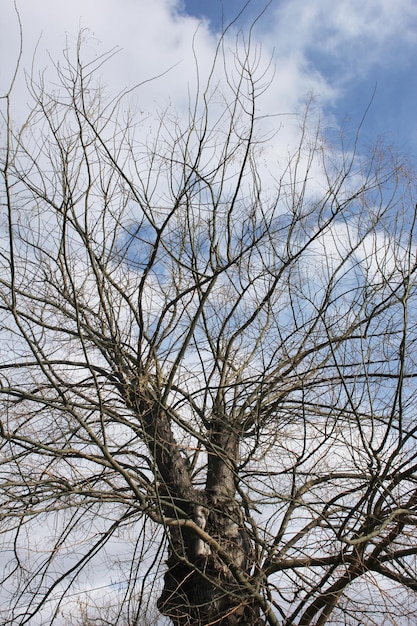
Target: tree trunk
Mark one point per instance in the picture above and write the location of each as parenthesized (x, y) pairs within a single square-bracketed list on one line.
[(204, 584), (201, 586)]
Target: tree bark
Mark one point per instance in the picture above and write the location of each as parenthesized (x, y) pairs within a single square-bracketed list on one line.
[(209, 582)]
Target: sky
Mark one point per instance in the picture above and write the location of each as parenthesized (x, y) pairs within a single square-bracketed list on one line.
[(363, 50), (345, 53)]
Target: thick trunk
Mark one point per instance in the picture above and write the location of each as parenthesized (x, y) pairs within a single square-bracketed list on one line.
[(205, 585), (209, 582), (176, 489), (223, 458)]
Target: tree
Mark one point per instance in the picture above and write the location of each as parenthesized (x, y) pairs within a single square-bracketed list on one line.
[(209, 353)]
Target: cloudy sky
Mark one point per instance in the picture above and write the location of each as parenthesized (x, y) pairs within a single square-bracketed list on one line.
[(342, 52)]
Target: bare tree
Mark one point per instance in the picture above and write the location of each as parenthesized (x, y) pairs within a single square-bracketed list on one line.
[(208, 354)]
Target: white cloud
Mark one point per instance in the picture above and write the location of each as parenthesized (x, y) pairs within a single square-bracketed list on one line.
[(352, 33), (152, 38), (349, 35)]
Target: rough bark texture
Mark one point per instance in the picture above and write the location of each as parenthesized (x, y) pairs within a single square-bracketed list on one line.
[(200, 584), (200, 587)]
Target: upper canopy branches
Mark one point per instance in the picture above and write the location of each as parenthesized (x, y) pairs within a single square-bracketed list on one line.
[(187, 322)]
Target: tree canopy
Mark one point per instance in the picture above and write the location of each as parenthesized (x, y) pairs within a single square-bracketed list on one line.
[(207, 374)]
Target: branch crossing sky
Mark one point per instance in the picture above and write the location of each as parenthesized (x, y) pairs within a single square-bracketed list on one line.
[(347, 53), (364, 51)]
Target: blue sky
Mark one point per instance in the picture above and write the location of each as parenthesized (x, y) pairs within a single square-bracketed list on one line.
[(338, 50), (222, 11), (388, 78)]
